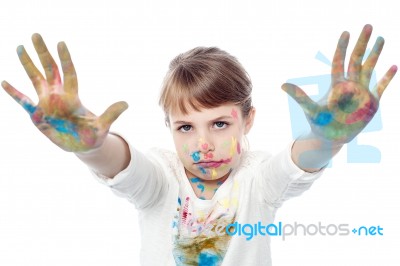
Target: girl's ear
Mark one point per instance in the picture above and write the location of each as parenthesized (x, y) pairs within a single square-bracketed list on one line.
[(249, 120)]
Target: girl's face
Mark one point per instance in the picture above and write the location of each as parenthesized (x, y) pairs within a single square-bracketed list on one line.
[(208, 141)]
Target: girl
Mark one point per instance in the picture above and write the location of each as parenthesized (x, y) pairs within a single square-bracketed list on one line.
[(192, 203)]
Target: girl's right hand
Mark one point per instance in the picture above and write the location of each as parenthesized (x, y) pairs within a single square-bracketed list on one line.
[(59, 113)]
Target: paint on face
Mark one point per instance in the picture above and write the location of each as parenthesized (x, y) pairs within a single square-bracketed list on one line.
[(202, 157), (214, 173), (225, 144), (213, 168), (234, 114), (233, 146), (185, 148), (196, 156), (202, 170), (204, 146), (238, 148), (214, 164), (208, 156)]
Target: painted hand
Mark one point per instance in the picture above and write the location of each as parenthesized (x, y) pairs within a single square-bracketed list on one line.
[(59, 113), (349, 105)]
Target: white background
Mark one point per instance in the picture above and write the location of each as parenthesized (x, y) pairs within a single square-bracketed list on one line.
[(52, 212)]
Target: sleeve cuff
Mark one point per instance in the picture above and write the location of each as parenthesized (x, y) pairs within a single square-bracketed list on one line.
[(291, 169), (121, 176)]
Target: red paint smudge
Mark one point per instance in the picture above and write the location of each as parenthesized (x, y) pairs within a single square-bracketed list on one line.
[(37, 117), (87, 136), (365, 114), (208, 156), (185, 210), (234, 114)]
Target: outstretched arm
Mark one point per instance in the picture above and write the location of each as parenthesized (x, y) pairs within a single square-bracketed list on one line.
[(346, 109), (61, 116)]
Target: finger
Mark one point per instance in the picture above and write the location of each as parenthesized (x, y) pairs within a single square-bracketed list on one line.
[(70, 78), (339, 57), (48, 63), (358, 53), (308, 105), (112, 113), (19, 97), (384, 82), (370, 63), (33, 73)]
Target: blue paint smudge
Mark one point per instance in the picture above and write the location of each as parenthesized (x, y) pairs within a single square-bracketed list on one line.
[(20, 50), (29, 108), (208, 259), (179, 201), (203, 171), (62, 126), (196, 156), (174, 224), (323, 118), (202, 198), (201, 187), (196, 179)]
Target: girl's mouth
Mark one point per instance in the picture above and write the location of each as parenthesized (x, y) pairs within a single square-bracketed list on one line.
[(212, 164), (209, 164)]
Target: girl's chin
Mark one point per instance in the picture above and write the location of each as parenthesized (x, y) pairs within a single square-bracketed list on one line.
[(211, 174)]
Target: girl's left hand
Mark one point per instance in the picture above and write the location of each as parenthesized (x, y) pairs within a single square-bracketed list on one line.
[(349, 104)]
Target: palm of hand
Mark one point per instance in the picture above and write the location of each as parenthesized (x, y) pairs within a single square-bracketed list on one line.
[(348, 108), (67, 123), (59, 113), (349, 105)]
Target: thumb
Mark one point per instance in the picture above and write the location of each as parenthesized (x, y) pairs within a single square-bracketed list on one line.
[(308, 105), (112, 113)]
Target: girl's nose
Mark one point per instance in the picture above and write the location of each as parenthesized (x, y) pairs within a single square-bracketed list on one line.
[(205, 146)]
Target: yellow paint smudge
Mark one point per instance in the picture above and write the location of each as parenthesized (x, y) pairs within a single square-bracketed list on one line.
[(233, 146), (213, 173)]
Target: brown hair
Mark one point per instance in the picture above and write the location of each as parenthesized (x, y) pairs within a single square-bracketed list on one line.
[(205, 78)]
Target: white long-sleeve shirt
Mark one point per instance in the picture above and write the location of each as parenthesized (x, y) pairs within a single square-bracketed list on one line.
[(178, 228)]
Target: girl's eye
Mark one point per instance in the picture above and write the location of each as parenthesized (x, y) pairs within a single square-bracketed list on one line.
[(217, 125), (220, 124), (185, 128)]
